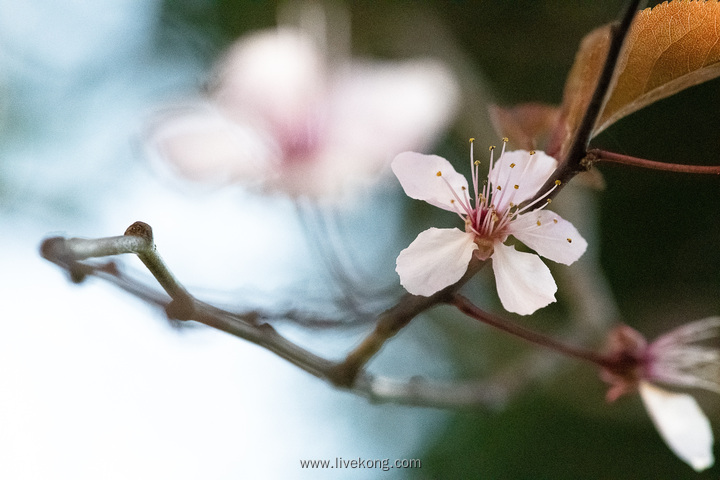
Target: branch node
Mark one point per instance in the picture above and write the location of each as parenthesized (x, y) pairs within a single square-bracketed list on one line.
[(111, 268), (140, 229), (77, 273), (181, 309), (55, 249), (343, 375), (588, 161)]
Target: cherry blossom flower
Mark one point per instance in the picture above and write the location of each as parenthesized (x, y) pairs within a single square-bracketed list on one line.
[(282, 116), (491, 213), (676, 359)]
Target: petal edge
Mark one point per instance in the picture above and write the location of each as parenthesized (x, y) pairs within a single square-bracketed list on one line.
[(437, 258), (681, 424), (524, 283), (549, 235), (418, 175)]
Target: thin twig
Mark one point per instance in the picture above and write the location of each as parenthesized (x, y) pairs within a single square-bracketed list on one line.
[(597, 155), (421, 392), (471, 310)]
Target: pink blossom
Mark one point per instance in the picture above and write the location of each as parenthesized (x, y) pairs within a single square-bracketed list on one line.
[(675, 359), (283, 117), (491, 212)]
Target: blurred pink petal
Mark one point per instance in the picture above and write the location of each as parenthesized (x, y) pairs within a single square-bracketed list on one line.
[(676, 358), (280, 115)]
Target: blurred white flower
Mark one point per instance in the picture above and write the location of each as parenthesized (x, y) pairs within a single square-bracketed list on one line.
[(438, 258), (675, 359), (282, 116)]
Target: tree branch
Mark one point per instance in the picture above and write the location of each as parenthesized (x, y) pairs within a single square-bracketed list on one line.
[(471, 310), (71, 254), (573, 164), (596, 156), (395, 319)]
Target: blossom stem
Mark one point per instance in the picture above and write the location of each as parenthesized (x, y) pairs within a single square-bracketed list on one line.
[(471, 310), (597, 155)]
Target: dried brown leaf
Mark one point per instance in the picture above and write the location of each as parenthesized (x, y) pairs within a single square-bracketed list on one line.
[(579, 88), (670, 47)]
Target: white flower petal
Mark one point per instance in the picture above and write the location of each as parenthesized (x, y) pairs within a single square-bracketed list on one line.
[(437, 258), (681, 423), (529, 173), (524, 282), (418, 175), (549, 235)]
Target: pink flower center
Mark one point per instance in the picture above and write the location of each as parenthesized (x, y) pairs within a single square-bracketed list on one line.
[(301, 138), (489, 212)]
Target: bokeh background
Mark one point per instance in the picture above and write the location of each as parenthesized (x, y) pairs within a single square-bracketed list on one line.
[(96, 384)]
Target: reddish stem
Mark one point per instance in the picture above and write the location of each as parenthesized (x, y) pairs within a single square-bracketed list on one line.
[(471, 310), (596, 155)]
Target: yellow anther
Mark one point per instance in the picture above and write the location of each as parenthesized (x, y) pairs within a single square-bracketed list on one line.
[(477, 162), (516, 187), (492, 147), (505, 139), (439, 173), (554, 220), (499, 187), (452, 200), (512, 205), (569, 240), (538, 223), (532, 152), (512, 165), (472, 140), (463, 188), (557, 182), (549, 200)]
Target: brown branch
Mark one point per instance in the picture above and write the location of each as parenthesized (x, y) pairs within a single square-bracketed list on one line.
[(573, 164), (350, 374), (471, 310), (597, 155), (395, 319), (71, 253)]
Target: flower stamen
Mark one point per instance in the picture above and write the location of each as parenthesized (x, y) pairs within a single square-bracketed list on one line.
[(549, 201), (465, 206)]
